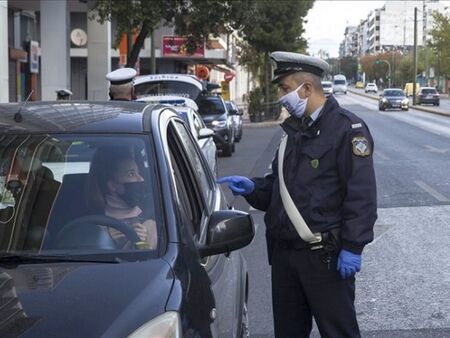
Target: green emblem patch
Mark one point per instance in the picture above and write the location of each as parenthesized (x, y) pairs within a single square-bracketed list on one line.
[(315, 163)]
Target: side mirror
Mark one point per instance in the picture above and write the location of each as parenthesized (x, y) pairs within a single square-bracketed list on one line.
[(205, 133), (381, 95), (228, 230), (232, 112), (240, 112)]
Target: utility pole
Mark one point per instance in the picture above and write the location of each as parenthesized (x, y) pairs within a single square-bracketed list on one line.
[(415, 56), (424, 39), (152, 53)]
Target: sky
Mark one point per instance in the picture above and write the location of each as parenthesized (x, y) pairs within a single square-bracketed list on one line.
[(327, 21)]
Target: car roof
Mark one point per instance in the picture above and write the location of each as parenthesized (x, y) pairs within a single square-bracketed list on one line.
[(371, 84), (427, 88), (394, 89), (186, 78), (76, 116)]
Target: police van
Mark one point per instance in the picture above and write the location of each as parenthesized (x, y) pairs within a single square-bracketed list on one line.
[(339, 84)]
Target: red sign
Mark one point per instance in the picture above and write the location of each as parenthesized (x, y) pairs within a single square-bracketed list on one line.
[(228, 76), (175, 46)]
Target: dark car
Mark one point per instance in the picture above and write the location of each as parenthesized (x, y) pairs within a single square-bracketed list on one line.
[(112, 225), (428, 95), (393, 98), (236, 114), (214, 112)]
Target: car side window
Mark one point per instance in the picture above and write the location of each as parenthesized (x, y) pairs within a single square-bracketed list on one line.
[(198, 124), (202, 173)]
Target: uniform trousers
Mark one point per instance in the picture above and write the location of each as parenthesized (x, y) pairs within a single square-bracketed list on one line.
[(303, 286)]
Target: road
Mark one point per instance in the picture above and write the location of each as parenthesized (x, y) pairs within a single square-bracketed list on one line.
[(403, 288)]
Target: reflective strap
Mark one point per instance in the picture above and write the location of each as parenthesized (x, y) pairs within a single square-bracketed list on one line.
[(294, 215)]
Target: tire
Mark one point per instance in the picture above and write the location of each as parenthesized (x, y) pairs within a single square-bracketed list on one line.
[(233, 147), (405, 109), (437, 104), (227, 150), (345, 93)]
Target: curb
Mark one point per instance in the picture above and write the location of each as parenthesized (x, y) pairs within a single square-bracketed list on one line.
[(426, 110)]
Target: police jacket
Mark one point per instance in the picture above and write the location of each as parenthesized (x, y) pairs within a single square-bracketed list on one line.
[(328, 171)]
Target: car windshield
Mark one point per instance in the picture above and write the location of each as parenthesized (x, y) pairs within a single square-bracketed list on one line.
[(339, 82), (326, 85), (393, 93), (428, 91), (177, 88), (211, 106), (77, 195)]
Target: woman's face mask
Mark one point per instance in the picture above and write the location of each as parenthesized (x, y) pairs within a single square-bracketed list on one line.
[(293, 103), (133, 193)]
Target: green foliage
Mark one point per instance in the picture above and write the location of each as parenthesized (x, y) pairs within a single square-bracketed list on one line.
[(440, 41), (349, 67), (255, 101)]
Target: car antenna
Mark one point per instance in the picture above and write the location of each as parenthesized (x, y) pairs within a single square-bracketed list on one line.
[(18, 116)]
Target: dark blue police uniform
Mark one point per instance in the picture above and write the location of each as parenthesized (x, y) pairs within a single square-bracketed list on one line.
[(328, 171)]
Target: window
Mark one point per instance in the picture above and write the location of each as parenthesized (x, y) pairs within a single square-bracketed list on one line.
[(198, 125)]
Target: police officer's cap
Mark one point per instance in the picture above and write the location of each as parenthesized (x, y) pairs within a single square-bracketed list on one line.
[(63, 92), (286, 63), (121, 76)]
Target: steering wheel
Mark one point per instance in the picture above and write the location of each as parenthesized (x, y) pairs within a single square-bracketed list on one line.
[(80, 224)]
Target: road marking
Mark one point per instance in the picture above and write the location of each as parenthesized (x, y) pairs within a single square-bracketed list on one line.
[(431, 191), (436, 150), (382, 155)]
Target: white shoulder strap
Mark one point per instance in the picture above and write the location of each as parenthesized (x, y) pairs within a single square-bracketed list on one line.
[(291, 210)]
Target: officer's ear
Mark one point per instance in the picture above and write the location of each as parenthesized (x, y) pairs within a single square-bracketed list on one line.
[(133, 96)]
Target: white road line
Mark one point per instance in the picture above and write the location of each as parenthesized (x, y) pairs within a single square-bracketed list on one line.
[(436, 150), (432, 192), (382, 155)]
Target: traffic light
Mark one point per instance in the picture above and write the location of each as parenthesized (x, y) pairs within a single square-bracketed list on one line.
[(377, 61)]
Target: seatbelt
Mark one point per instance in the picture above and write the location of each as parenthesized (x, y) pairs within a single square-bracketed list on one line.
[(294, 215)]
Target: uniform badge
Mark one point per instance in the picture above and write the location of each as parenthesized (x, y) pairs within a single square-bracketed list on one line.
[(360, 146), (315, 163)]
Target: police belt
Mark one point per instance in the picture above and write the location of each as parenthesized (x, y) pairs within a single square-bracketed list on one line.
[(332, 237)]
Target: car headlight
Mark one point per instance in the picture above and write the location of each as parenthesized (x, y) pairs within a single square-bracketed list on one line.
[(405, 101), (166, 325), (383, 100), (219, 123)]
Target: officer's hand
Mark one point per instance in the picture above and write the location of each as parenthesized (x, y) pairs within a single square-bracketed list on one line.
[(239, 185), (348, 263)]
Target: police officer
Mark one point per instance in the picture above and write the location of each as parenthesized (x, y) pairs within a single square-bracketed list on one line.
[(63, 94), (121, 84), (321, 209)]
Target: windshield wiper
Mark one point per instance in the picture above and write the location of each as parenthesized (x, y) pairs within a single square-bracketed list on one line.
[(8, 259)]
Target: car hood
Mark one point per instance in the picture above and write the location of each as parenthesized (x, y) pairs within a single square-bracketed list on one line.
[(400, 98), (214, 117), (82, 300)]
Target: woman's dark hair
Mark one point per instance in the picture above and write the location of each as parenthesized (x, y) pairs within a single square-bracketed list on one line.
[(103, 167)]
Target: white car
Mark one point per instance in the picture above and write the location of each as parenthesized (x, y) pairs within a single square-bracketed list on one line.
[(371, 87), (327, 87), (187, 109), (339, 84)]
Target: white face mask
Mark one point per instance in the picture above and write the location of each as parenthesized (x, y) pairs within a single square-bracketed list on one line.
[(293, 103)]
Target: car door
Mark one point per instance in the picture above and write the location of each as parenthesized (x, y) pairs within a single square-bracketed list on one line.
[(222, 270)]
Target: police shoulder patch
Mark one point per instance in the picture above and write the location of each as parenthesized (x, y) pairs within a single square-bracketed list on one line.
[(360, 146)]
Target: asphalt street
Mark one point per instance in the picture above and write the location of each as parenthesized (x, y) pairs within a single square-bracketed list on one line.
[(403, 288)]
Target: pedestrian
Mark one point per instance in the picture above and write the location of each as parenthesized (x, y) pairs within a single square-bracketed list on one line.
[(63, 95), (320, 204), (121, 84)]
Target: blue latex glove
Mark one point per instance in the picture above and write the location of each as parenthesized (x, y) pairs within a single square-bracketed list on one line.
[(348, 263), (239, 185)]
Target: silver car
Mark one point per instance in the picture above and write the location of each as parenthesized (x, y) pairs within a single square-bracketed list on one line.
[(187, 109)]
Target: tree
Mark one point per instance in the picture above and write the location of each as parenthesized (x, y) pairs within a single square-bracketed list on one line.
[(349, 66), (275, 25), (196, 19), (440, 41)]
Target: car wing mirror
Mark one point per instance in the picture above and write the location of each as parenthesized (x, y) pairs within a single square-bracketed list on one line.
[(240, 112), (228, 230), (205, 133)]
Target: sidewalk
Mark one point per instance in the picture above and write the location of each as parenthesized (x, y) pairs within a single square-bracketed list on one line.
[(437, 111)]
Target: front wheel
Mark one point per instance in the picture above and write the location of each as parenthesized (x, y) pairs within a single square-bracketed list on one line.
[(227, 150)]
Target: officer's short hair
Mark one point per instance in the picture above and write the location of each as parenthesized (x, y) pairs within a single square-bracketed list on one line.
[(124, 90), (314, 79)]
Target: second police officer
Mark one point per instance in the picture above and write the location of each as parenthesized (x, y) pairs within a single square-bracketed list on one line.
[(320, 204), (121, 84)]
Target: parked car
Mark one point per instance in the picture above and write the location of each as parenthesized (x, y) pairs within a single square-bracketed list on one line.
[(214, 112), (188, 111), (428, 95), (75, 261), (339, 84), (359, 84), (393, 98), (371, 87), (236, 115), (327, 87)]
